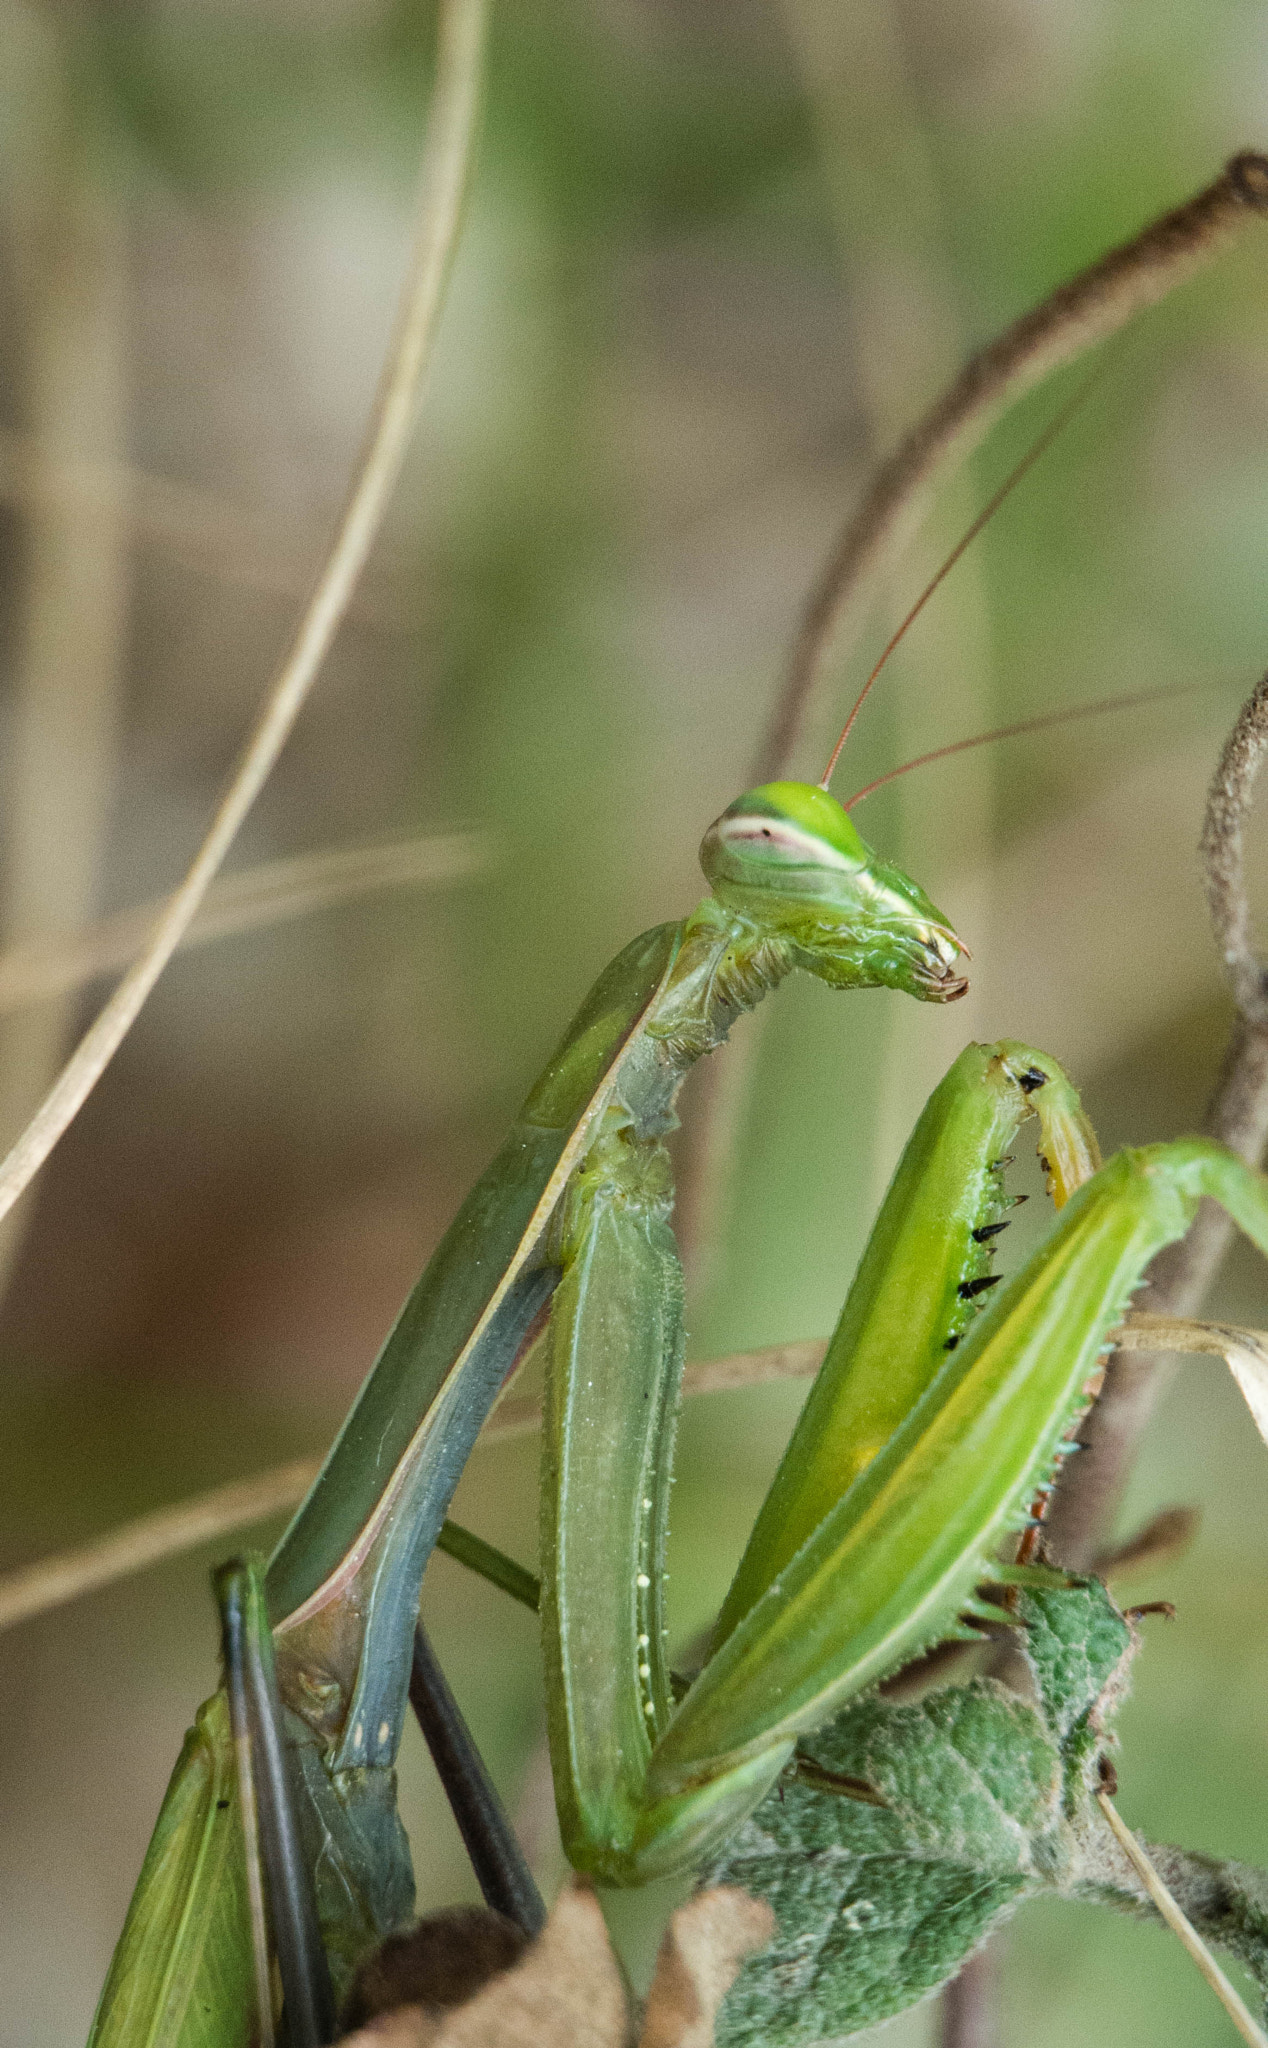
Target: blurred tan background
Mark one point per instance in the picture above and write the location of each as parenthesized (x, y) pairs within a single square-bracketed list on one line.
[(716, 257)]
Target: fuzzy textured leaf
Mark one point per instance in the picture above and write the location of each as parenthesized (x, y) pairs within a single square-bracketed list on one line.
[(988, 1801), (877, 1906), (1076, 1644)]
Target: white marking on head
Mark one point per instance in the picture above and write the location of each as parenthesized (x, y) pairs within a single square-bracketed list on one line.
[(806, 848)]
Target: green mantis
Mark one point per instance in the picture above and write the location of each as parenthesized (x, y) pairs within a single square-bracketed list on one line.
[(944, 1406), (932, 1425)]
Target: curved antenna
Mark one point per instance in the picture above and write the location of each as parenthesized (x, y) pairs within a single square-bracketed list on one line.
[(1038, 447), (1023, 725)]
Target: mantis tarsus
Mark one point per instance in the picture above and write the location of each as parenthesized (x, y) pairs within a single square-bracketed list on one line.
[(941, 1410)]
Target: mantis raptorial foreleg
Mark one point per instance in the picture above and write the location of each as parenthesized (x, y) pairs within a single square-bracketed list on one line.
[(920, 1449), (913, 1461)]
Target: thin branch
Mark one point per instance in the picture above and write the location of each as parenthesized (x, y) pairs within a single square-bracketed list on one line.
[(1246, 2025), (446, 161), (1163, 1539), (1086, 310), (1090, 1489), (270, 894), (66, 688), (210, 535), (168, 1532)]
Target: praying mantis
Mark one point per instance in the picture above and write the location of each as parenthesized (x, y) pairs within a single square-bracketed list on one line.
[(943, 1408), (931, 1426)]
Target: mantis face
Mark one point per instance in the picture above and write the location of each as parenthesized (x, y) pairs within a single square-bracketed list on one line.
[(786, 857)]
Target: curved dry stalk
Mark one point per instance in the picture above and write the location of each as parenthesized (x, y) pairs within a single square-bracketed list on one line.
[(1090, 1488), (168, 1532), (68, 235), (1244, 2021), (446, 161), (1086, 310), (272, 893)]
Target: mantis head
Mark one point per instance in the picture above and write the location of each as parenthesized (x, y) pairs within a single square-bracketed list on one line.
[(786, 857)]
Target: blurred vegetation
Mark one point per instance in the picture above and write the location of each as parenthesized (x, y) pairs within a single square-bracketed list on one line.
[(715, 257)]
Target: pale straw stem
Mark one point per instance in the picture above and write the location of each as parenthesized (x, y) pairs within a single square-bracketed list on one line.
[(1188, 1936), (447, 155), (252, 900), (168, 1532), (171, 1530)]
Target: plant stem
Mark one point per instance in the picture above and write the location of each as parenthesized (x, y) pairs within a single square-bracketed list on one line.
[(446, 161)]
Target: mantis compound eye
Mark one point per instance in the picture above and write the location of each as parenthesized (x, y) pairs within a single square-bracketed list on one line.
[(779, 829)]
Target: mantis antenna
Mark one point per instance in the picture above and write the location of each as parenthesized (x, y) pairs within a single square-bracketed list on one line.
[(1037, 448), (1023, 725)]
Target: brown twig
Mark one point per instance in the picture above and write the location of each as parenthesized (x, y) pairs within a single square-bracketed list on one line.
[(969, 2013), (1086, 310), (1091, 1486)]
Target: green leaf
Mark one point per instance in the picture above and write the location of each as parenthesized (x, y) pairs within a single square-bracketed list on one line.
[(988, 1800), (1076, 1642), (878, 1906)]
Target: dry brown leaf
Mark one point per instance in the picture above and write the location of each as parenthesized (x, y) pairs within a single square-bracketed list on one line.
[(703, 1947), (568, 1992), (1244, 1351), (406, 2027)]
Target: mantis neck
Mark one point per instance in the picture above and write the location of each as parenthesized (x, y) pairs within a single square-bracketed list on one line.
[(726, 963)]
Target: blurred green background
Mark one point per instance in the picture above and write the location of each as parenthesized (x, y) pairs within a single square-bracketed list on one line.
[(716, 257)]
